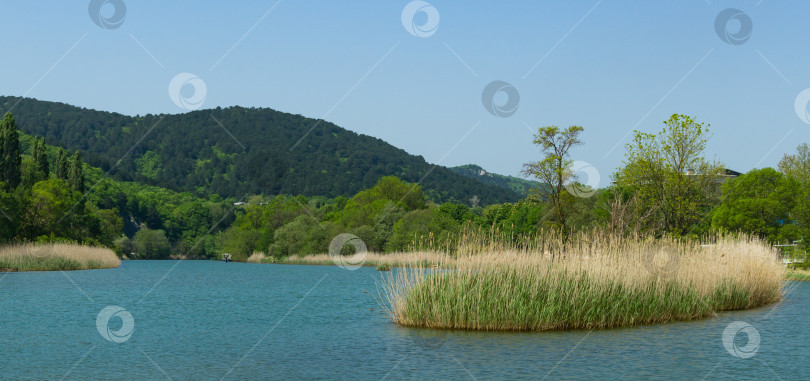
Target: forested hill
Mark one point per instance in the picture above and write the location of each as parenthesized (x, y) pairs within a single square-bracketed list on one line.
[(516, 184), (238, 151)]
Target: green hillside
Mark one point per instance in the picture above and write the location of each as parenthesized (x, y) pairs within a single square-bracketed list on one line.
[(239, 151), (515, 184)]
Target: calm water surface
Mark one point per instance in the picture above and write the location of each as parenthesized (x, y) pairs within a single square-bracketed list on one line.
[(210, 320)]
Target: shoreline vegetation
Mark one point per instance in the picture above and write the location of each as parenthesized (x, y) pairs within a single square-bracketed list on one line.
[(417, 259), (592, 281), (55, 257), (413, 259), (798, 275)]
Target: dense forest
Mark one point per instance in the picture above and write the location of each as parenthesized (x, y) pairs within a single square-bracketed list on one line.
[(666, 186), (239, 151), (521, 186)]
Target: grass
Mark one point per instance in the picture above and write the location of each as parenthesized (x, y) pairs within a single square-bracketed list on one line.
[(54, 257), (593, 281), (410, 259), (256, 257), (798, 275)]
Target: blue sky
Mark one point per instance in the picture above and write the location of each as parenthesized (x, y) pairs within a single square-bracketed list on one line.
[(610, 66)]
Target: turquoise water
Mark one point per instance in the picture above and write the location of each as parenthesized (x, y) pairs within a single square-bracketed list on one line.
[(211, 320)]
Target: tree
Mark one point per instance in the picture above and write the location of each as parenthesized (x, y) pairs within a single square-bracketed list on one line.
[(41, 157), (522, 218), (76, 174), (384, 225), (48, 212), (62, 166), (305, 235), (554, 169), (669, 174), (620, 210), (424, 229), (35, 167), (151, 244), (9, 215), (797, 166), (10, 159), (108, 225), (367, 205), (409, 230), (759, 202)]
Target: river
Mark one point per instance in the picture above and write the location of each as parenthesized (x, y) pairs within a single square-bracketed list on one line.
[(211, 320)]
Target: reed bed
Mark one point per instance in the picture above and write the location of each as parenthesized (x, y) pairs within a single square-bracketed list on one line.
[(589, 281), (426, 259), (53, 257), (256, 257)]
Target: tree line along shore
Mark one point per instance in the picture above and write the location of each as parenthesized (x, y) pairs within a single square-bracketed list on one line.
[(666, 193)]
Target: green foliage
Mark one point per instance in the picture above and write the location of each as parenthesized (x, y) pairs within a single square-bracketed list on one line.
[(10, 210), (193, 153), (35, 168), (361, 209), (10, 159), (759, 202), (522, 218), (424, 229), (148, 165), (123, 246), (666, 187), (305, 235), (520, 186), (151, 244), (670, 176), (409, 230), (383, 267), (48, 210), (384, 226), (76, 173), (555, 168), (797, 166), (41, 158), (62, 166), (510, 299)]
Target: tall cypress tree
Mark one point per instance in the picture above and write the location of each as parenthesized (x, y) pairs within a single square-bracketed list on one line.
[(35, 149), (10, 160), (76, 177), (2, 151), (61, 165), (41, 157)]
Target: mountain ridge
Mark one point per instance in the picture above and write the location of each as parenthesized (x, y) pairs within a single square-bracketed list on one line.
[(237, 151)]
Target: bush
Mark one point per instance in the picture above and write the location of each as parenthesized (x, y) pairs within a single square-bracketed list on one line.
[(305, 235), (151, 244)]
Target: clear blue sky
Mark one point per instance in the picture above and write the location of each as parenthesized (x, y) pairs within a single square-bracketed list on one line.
[(609, 66)]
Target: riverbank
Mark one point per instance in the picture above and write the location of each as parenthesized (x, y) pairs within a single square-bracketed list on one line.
[(423, 259), (55, 257), (802, 275), (594, 281), (420, 259)]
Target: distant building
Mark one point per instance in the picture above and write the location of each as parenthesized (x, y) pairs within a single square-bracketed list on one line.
[(727, 173), (731, 173)]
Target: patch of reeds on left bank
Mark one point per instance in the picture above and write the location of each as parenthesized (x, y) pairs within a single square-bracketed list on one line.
[(55, 256)]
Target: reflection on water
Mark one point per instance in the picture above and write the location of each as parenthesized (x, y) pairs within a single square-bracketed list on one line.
[(209, 320)]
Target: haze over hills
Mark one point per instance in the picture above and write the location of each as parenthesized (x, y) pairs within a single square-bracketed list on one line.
[(237, 151)]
